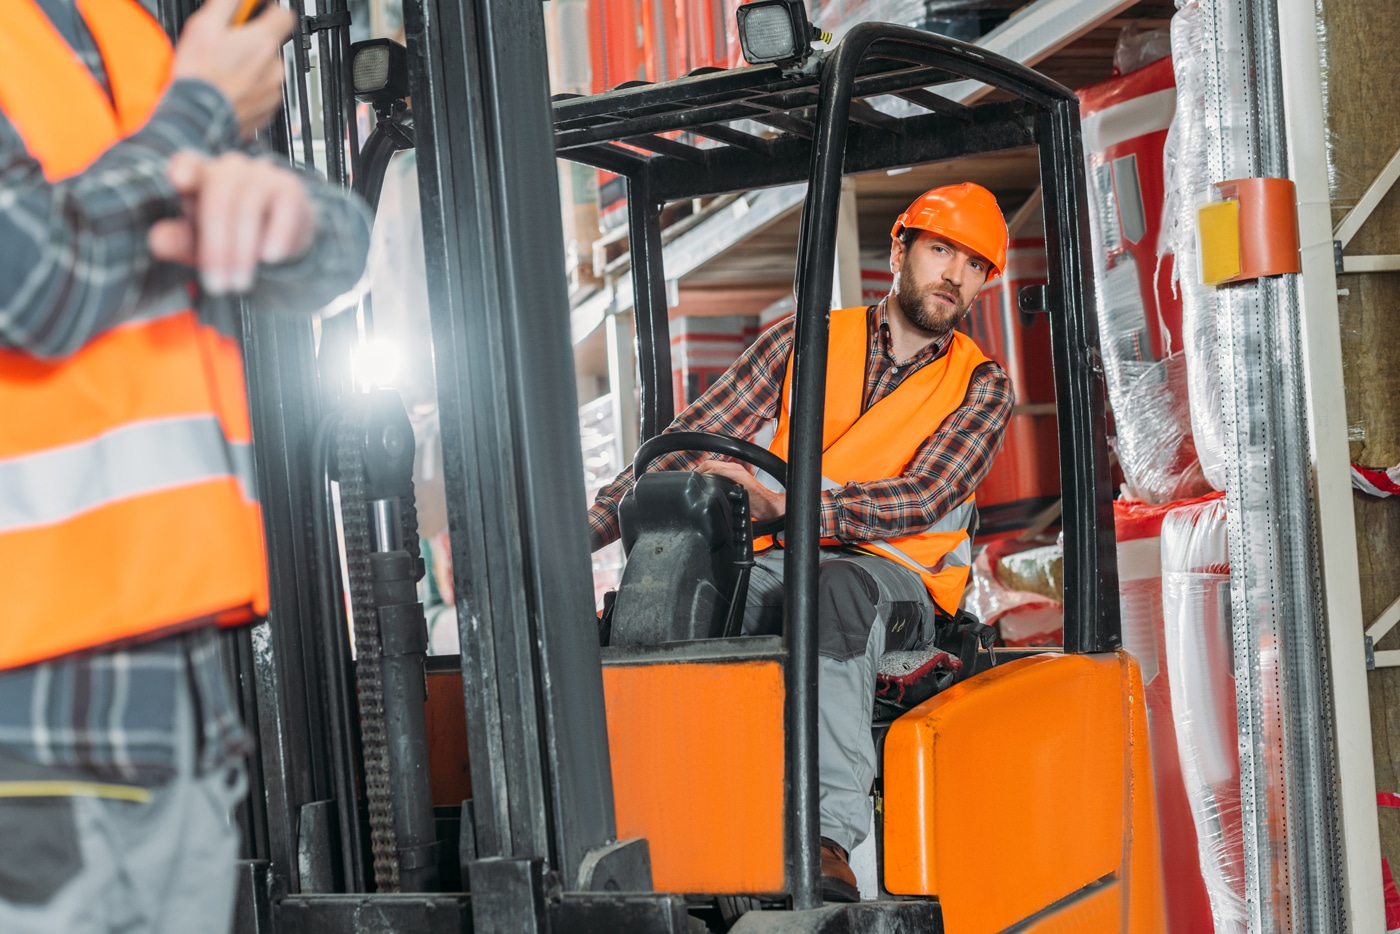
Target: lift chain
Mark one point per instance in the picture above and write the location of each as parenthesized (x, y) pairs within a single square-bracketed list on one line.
[(408, 520), (368, 672)]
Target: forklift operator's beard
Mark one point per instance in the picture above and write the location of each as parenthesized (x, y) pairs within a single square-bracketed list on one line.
[(921, 307)]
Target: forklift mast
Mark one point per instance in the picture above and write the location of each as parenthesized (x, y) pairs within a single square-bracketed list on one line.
[(537, 845)]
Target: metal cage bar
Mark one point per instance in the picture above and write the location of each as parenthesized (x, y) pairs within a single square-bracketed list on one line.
[(649, 313), (1092, 621)]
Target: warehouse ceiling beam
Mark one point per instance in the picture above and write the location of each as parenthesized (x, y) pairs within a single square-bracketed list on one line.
[(936, 103), (1033, 34)]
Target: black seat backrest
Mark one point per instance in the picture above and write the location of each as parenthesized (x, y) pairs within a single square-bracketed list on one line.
[(678, 534)]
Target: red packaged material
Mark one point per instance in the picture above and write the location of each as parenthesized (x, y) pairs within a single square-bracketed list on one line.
[(1027, 471), (1023, 617), (702, 348), (1199, 654), (1140, 581), (1392, 899), (1125, 130)]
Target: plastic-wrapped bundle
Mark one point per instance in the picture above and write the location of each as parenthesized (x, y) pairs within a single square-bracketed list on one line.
[(1139, 529), (1196, 606), (1038, 570), (1152, 421), (1125, 122), (1023, 616), (1186, 177)]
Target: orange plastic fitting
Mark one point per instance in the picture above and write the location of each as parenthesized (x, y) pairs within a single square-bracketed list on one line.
[(1250, 232)]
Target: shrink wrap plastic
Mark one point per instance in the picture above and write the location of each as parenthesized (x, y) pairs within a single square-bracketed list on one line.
[(1023, 617), (1196, 607), (1152, 424), (1140, 582), (1138, 48), (602, 461), (1125, 123), (1187, 178)]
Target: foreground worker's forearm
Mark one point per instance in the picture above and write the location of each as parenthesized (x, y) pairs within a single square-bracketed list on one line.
[(75, 258), (332, 267)]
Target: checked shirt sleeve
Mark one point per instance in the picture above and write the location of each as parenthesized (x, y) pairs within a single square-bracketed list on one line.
[(943, 473), (74, 260), (73, 253), (737, 405), (332, 270)]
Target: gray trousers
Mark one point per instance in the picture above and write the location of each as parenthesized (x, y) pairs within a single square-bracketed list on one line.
[(94, 865), (866, 605)]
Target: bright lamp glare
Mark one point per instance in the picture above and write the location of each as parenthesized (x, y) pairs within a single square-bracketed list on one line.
[(376, 363), (768, 31), (370, 69)]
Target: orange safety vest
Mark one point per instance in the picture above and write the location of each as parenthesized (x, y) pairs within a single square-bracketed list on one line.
[(127, 500), (880, 442)]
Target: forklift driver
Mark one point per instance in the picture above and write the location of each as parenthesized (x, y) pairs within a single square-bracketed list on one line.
[(904, 449)]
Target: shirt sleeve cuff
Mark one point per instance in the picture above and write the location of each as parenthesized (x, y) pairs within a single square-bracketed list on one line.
[(334, 265), (195, 115), (830, 517), (602, 525)]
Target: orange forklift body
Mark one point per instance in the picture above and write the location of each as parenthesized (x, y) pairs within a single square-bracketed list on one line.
[(1023, 795), (1023, 788), (697, 765)]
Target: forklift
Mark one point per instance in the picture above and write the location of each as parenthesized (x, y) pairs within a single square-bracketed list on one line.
[(657, 773)]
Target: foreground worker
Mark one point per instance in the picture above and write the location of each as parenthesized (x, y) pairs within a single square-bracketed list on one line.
[(915, 414), (129, 528)]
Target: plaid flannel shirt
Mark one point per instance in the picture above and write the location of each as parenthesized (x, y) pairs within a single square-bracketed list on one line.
[(943, 472), (73, 263)]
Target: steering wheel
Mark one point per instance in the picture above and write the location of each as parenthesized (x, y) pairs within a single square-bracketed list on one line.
[(746, 451)]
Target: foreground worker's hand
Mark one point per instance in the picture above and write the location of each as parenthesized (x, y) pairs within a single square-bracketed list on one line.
[(241, 61), (763, 502), (238, 212)]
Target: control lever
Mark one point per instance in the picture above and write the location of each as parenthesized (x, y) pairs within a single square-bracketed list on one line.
[(976, 636), (743, 559)]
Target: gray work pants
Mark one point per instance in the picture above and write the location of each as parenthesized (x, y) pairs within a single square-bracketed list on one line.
[(94, 865), (866, 605)]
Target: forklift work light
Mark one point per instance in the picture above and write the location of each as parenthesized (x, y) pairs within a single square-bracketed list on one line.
[(379, 71), (776, 31)]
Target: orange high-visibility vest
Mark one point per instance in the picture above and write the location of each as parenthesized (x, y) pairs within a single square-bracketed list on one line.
[(879, 443), (127, 500)]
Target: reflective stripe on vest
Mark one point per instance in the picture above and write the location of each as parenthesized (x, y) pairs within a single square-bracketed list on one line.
[(50, 486), (861, 447), (128, 504)]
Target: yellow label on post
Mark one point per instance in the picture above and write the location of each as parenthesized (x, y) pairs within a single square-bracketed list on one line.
[(1219, 226)]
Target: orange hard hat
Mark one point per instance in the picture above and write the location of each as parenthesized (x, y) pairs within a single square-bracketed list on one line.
[(967, 214)]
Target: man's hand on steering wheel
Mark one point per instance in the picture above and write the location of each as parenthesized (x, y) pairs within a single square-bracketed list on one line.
[(763, 502), (767, 509)]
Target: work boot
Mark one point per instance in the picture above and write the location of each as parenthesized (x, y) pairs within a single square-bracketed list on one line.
[(838, 882)]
